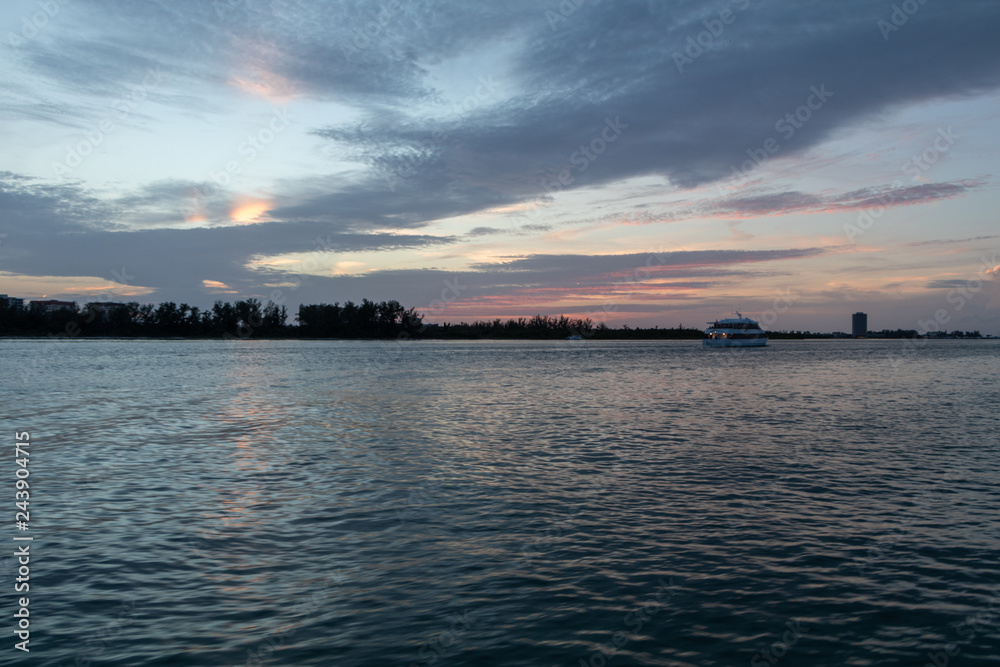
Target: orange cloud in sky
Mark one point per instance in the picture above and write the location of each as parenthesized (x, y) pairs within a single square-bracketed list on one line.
[(87, 288), (572, 299), (267, 85), (216, 287), (257, 76), (248, 211)]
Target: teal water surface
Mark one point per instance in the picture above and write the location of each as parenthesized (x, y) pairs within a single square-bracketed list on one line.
[(508, 503)]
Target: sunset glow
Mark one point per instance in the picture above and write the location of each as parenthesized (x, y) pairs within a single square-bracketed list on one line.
[(536, 166), (249, 211)]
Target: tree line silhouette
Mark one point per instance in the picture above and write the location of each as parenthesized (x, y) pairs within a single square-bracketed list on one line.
[(250, 318), (133, 319), (243, 318), (541, 326)]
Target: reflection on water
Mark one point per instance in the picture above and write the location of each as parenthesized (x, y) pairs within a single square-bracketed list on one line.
[(510, 503)]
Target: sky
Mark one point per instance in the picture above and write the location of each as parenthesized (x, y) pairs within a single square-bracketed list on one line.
[(650, 163)]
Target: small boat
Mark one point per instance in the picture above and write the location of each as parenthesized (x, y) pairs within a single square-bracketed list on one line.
[(574, 337), (734, 332)]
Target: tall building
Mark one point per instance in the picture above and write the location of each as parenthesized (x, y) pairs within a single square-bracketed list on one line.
[(859, 325), (8, 301)]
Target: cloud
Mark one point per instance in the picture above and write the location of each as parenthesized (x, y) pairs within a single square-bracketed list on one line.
[(552, 99), (946, 284), (430, 110), (952, 241), (485, 231), (656, 261), (29, 205), (781, 203), (216, 287), (553, 284), (611, 66), (61, 230)]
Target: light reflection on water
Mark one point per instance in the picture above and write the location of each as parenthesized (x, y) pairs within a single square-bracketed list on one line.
[(509, 503)]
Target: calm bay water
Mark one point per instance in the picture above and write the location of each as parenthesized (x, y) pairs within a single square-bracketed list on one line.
[(508, 503)]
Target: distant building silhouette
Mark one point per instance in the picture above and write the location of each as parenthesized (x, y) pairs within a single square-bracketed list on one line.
[(104, 307), (52, 305), (859, 325), (8, 301)]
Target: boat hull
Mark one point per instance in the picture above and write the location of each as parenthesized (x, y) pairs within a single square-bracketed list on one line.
[(734, 342)]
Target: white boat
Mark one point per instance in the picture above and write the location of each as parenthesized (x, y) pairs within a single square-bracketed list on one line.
[(734, 332)]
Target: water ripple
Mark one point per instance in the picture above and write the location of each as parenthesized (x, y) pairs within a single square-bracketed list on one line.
[(510, 503)]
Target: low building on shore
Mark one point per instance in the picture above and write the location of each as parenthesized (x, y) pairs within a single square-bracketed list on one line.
[(52, 305)]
